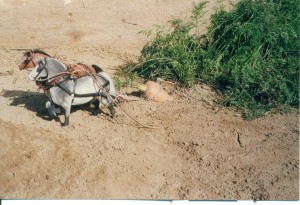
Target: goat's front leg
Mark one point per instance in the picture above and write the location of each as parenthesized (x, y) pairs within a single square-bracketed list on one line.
[(52, 109), (67, 107)]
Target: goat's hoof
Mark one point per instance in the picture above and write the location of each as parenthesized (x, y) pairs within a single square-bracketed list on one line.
[(113, 115), (65, 124), (95, 112)]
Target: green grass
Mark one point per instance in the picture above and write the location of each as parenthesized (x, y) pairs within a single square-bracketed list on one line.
[(251, 54)]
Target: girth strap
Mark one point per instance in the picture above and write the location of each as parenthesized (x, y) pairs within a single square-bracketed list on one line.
[(61, 85)]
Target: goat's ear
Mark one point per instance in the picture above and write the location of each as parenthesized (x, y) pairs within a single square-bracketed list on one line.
[(31, 52)]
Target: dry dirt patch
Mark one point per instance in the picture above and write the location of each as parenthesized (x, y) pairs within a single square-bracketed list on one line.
[(201, 152)]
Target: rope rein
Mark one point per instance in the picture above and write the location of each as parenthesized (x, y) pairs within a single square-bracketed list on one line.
[(115, 102)]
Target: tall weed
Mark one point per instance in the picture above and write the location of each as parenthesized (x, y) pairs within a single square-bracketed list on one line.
[(173, 53), (251, 54)]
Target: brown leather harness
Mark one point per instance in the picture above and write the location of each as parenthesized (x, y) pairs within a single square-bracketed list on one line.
[(59, 79)]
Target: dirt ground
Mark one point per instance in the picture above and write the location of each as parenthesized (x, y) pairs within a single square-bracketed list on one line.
[(198, 150)]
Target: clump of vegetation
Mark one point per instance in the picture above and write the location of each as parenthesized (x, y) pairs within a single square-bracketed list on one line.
[(125, 77), (174, 53), (251, 54)]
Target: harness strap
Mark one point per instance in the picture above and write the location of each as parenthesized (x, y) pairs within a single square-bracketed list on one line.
[(105, 84), (58, 81), (60, 85), (105, 79), (65, 89), (41, 67)]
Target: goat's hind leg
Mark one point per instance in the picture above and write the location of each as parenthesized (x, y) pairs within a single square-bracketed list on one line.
[(96, 103), (110, 106), (112, 110)]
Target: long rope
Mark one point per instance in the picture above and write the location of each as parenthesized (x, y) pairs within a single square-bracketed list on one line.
[(114, 101)]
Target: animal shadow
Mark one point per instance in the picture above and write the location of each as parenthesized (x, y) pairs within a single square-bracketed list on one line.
[(35, 102), (136, 93), (32, 101)]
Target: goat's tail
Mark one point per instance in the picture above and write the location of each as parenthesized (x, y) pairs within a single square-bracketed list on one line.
[(97, 68)]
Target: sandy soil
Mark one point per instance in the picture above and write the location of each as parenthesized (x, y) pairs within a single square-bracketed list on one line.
[(198, 151)]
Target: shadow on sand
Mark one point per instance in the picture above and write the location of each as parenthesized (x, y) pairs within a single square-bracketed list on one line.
[(35, 102), (32, 101)]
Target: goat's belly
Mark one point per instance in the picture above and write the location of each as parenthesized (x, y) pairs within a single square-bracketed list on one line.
[(80, 101)]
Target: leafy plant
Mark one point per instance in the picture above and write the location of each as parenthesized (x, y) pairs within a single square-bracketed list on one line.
[(251, 54), (125, 77), (173, 53)]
